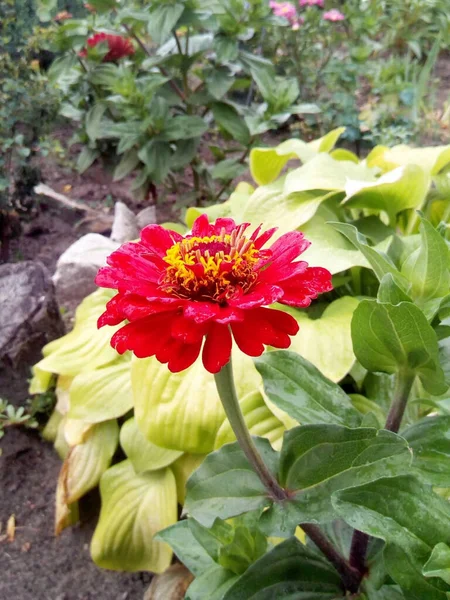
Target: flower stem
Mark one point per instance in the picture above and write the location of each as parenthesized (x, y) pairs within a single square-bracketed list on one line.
[(227, 393), (403, 385)]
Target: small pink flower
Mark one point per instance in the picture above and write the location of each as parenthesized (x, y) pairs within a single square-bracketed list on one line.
[(283, 9), (319, 3), (333, 15), (297, 22)]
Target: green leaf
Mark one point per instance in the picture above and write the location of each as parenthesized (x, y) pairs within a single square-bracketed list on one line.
[(297, 387), (259, 419), (230, 120), (187, 548), (225, 485), (134, 508), (410, 518), (429, 440), (246, 547), (394, 192), (267, 163), (144, 455), (183, 411), (397, 338), (162, 21), (329, 249), (324, 173), (102, 394), (156, 156), (183, 128), (211, 584), (45, 9), (86, 347), (288, 570), (317, 460), (228, 169), (390, 292), (127, 164), (313, 340), (93, 120), (438, 565), (86, 158), (183, 469), (272, 205), (431, 159), (219, 81), (86, 462), (427, 268), (226, 48), (380, 262)]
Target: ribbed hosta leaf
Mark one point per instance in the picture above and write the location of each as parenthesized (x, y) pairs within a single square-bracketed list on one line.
[(134, 508)]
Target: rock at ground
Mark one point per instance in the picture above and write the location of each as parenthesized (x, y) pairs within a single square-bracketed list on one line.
[(125, 226), (29, 319), (146, 216), (77, 267)]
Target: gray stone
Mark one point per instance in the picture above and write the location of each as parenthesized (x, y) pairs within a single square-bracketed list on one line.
[(77, 267), (29, 318), (146, 216), (125, 227)]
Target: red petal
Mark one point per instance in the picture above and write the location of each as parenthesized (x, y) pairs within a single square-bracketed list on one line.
[(228, 314), (263, 238), (183, 356), (247, 338), (261, 294), (201, 226), (299, 291), (158, 239), (217, 348), (201, 312), (288, 247), (264, 326), (187, 331), (224, 223), (145, 336), (287, 271)]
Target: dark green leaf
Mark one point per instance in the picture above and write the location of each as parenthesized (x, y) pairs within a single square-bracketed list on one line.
[(219, 82), (410, 518), (225, 485), (225, 48), (212, 584), (299, 388), (85, 159), (289, 571), (127, 164), (191, 553), (317, 460), (227, 169), (163, 20), (228, 118), (430, 443), (183, 128), (391, 338), (438, 564), (93, 120), (246, 547), (156, 156), (184, 153)]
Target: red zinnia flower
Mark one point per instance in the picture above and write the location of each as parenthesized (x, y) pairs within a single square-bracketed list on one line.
[(118, 46), (213, 283)]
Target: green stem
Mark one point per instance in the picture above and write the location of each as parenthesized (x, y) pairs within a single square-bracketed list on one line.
[(403, 385), (227, 393)]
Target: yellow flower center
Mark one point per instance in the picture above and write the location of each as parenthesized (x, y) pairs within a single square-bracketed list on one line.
[(213, 268)]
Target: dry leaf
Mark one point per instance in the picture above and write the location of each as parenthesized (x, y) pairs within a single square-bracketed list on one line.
[(170, 585), (11, 528)]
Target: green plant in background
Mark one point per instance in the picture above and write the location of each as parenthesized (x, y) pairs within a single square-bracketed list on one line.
[(27, 109), (354, 415), (175, 79)]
